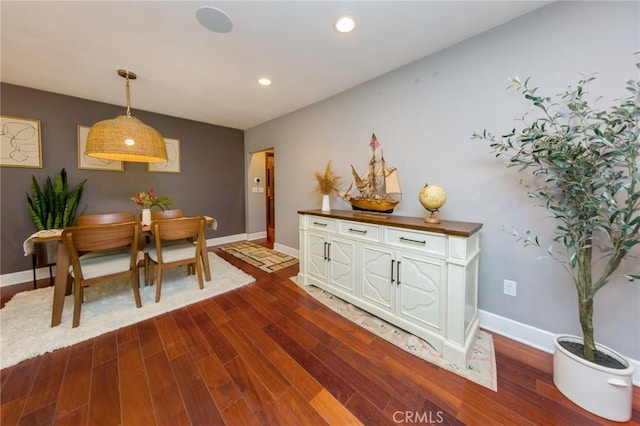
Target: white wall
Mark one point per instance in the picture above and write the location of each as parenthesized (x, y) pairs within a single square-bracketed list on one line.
[(424, 115)]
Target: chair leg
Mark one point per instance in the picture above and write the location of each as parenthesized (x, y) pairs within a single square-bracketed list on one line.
[(159, 284), (77, 302), (150, 273), (135, 286), (199, 273), (147, 265)]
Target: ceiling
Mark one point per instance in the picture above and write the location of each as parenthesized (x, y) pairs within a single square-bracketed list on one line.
[(184, 70)]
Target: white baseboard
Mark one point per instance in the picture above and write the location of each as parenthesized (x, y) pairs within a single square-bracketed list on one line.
[(286, 250), (256, 236), (226, 240), (523, 333), (531, 336), (25, 276)]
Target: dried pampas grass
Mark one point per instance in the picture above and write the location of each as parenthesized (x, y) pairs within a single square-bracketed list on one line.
[(328, 181)]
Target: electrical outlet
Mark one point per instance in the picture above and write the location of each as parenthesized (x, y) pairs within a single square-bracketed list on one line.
[(510, 288)]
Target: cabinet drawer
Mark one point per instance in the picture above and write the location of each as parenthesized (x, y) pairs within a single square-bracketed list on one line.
[(413, 240), (321, 223), (360, 231)]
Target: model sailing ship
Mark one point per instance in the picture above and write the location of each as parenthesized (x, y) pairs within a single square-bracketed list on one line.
[(375, 187)]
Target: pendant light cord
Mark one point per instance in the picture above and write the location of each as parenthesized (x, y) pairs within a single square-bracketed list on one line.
[(128, 99)]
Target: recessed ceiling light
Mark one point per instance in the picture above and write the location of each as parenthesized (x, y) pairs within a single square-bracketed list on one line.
[(344, 24), (264, 81), (214, 19)]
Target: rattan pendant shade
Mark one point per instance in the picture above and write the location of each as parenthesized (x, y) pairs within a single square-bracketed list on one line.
[(126, 138)]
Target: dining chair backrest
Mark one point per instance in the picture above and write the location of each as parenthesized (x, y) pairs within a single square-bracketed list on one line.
[(166, 214), (178, 229), (112, 252), (102, 236), (97, 219)]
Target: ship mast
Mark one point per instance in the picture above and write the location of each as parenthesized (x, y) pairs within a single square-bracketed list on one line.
[(373, 180)]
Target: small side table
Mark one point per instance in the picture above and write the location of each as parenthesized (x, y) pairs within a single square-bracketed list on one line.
[(43, 248)]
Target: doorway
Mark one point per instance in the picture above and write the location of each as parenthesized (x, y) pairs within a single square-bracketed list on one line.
[(270, 196)]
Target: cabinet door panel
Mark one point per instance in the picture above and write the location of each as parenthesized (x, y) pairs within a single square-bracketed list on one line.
[(376, 277), (342, 264), (317, 262), (420, 290)]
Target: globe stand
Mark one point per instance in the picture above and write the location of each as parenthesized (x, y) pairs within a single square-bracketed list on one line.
[(432, 198), (432, 217)]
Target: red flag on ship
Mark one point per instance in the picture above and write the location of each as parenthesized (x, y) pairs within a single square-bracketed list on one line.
[(374, 142)]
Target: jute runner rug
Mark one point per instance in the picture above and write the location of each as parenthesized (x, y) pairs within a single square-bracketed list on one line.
[(261, 257)]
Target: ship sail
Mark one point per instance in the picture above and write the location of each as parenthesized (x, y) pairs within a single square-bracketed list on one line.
[(391, 179), (392, 182), (360, 183), (374, 187)]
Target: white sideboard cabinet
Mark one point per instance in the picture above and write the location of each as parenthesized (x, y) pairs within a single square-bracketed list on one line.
[(419, 276)]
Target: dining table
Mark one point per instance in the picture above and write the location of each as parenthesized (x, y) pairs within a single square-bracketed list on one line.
[(62, 288)]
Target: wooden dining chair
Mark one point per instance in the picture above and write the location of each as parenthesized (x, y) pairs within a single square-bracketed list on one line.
[(104, 218), (172, 247), (113, 253)]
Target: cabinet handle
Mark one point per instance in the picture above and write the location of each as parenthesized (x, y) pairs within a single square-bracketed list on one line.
[(392, 265), (398, 272), (409, 240), (319, 224), (324, 253), (328, 252), (360, 231)]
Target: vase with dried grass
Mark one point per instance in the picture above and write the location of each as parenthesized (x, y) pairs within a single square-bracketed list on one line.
[(326, 183)]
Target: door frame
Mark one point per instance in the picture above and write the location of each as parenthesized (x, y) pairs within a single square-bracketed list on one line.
[(270, 201)]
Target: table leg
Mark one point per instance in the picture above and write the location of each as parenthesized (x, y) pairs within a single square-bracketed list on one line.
[(60, 288)]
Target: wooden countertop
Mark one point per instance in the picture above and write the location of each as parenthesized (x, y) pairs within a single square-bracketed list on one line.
[(448, 227)]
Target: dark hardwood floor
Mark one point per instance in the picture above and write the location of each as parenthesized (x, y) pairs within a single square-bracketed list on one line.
[(269, 354)]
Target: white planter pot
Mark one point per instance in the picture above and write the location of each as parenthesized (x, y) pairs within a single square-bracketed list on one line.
[(603, 391)]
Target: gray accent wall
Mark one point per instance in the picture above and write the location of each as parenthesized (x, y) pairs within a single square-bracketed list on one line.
[(211, 181), (424, 115)]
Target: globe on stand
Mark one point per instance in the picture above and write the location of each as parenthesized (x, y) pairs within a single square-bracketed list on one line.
[(432, 197)]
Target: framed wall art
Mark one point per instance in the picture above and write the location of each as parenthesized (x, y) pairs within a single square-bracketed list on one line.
[(172, 165), (91, 163), (21, 145)]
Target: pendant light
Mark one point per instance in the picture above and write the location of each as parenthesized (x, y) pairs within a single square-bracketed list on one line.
[(126, 138)]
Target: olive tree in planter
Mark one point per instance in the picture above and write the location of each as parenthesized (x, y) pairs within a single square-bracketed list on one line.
[(53, 206), (585, 163)]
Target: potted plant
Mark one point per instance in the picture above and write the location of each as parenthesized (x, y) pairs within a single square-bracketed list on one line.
[(585, 167), (52, 207), (326, 183)]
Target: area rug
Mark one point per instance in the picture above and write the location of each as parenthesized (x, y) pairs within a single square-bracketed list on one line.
[(25, 321), (482, 363), (261, 257)]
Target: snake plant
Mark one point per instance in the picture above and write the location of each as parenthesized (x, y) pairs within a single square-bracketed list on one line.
[(53, 206)]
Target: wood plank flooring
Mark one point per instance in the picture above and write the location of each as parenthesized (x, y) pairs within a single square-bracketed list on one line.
[(269, 354)]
